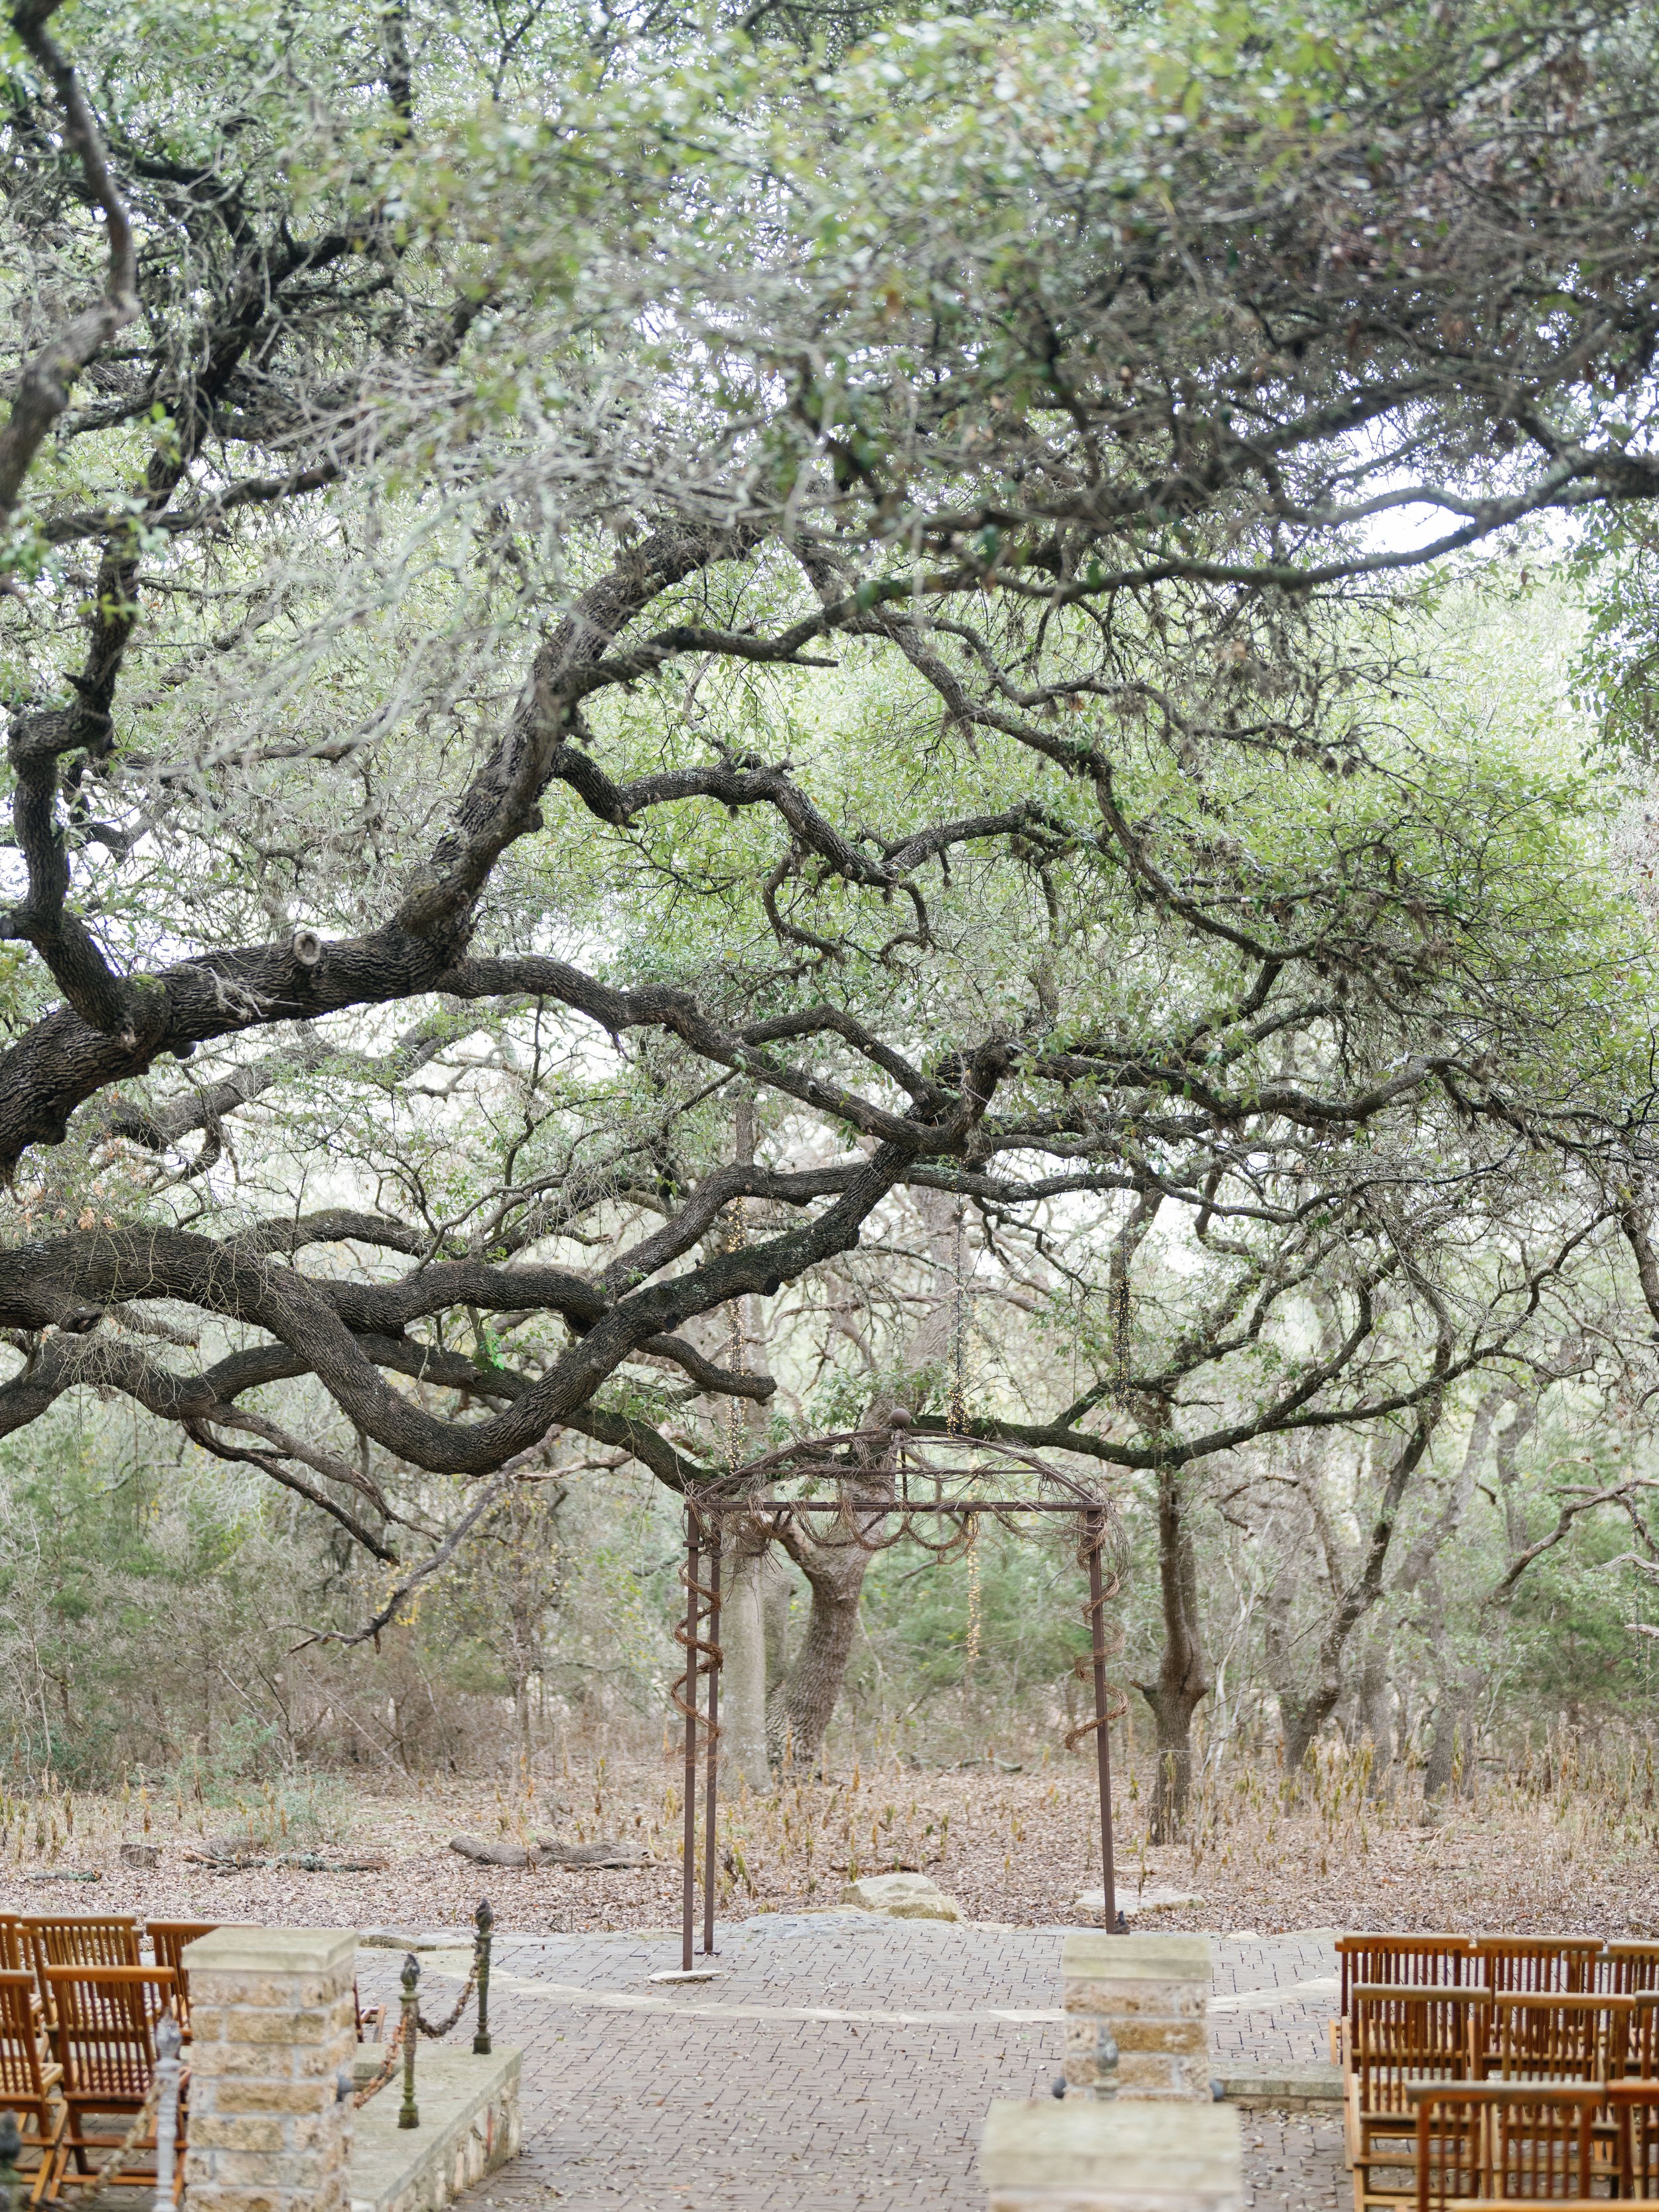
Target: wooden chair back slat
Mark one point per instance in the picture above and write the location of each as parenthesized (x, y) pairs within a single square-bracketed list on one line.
[(1538, 1965), (16, 1955), (1579, 2038), (168, 1940), (1406, 2035), (1642, 2052), (1429, 1962), (168, 1937), (21, 2076), (83, 1939), (77, 1939), (1634, 2105), (106, 2020), (1626, 1968), (1527, 2143)]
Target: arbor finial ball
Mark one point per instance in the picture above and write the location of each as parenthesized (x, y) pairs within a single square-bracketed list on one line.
[(900, 1418)]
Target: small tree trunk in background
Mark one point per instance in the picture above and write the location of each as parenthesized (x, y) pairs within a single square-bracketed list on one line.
[(775, 1602), (1182, 1681), (743, 1666), (1449, 1767), (1375, 1704), (1300, 1722)]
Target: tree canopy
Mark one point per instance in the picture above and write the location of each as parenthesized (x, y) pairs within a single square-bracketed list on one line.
[(639, 644)]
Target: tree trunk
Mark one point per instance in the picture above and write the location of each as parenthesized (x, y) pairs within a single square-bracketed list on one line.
[(1376, 1703), (802, 1704), (743, 1667), (775, 1601), (800, 1711), (1451, 1764), (1182, 1681)]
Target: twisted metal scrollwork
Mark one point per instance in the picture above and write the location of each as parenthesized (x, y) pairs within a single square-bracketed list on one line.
[(703, 1654), (1091, 1540)]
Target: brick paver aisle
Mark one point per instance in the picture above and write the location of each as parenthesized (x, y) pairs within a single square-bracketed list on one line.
[(841, 2060)]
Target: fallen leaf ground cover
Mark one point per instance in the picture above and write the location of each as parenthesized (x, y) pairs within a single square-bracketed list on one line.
[(1566, 1842)]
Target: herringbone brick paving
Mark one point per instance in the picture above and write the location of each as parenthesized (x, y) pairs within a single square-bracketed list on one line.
[(841, 2061)]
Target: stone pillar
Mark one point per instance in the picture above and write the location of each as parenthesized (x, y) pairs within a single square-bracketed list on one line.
[(1071, 2157), (273, 2031), (1136, 2008)]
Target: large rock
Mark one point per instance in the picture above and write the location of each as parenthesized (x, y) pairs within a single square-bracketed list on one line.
[(1091, 1903), (902, 1897)]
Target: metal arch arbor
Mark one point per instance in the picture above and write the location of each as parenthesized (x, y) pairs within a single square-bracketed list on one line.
[(881, 1484)]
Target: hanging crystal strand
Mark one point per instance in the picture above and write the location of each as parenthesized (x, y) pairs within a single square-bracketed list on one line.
[(956, 1418), (972, 1646), (736, 1349), (734, 1358), (1118, 1316)]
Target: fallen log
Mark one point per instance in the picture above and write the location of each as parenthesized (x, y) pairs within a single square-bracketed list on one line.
[(243, 1855), (548, 1851)]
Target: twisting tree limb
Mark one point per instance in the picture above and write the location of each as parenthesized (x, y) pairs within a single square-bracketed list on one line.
[(42, 390)]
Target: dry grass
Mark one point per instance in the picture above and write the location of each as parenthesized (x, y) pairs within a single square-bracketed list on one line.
[(1566, 1841)]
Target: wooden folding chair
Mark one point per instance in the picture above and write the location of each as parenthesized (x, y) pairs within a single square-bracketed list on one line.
[(1633, 2106), (77, 1939), (1403, 2039), (105, 2034), (1581, 2038), (1627, 1967), (168, 1940), (1642, 2052), (1414, 1961), (1537, 1966), (1520, 2142), (370, 2021), (29, 2084)]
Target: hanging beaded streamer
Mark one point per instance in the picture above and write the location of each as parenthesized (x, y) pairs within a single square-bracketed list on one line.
[(956, 1418), (1118, 1316), (735, 1351), (972, 1645)]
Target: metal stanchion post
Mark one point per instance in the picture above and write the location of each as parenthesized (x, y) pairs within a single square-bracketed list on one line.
[(711, 1786), (689, 1888), (168, 2068), (409, 2115), (1096, 1528), (486, 1922)]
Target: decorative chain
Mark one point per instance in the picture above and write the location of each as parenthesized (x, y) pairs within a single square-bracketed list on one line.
[(442, 2027), (142, 2119), (388, 2068)]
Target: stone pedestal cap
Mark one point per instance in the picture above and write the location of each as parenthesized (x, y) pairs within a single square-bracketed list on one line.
[(1092, 1954), (1118, 2157), (270, 1951)]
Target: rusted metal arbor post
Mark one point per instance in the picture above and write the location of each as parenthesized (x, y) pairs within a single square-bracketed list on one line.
[(699, 1632), (1094, 1528)]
